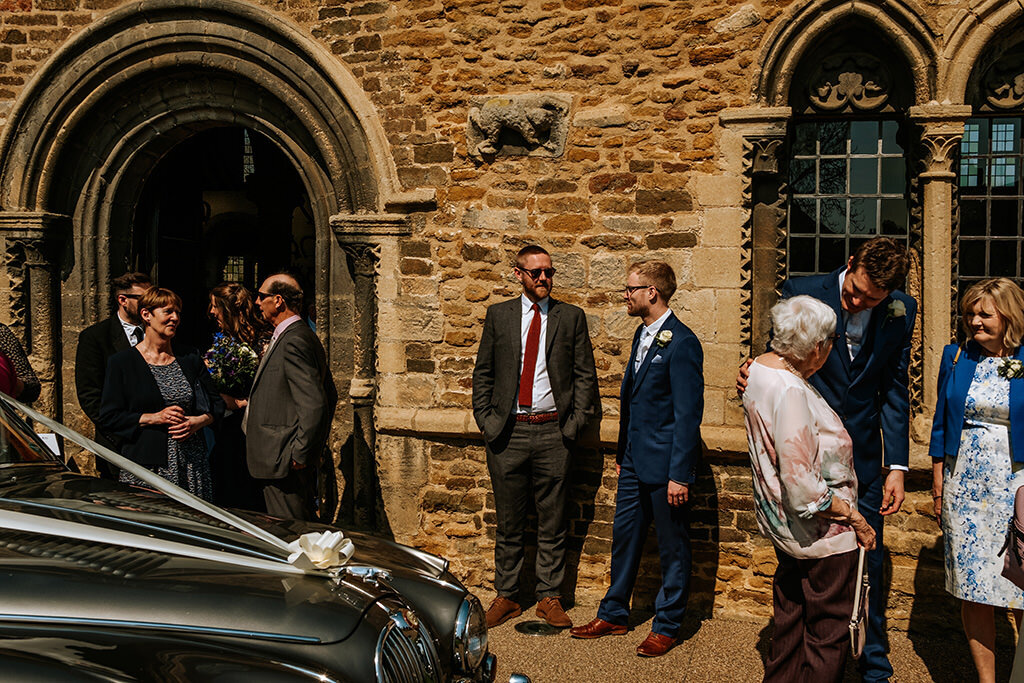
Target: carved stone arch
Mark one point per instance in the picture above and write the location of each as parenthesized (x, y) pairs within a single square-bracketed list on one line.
[(976, 39), (899, 22), (99, 115)]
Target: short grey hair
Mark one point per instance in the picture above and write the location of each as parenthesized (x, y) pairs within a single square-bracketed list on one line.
[(799, 324)]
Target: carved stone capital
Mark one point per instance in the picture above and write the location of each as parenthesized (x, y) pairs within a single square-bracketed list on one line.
[(361, 236), (942, 127)]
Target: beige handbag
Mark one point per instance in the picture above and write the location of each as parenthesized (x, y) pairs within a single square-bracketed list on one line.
[(859, 618)]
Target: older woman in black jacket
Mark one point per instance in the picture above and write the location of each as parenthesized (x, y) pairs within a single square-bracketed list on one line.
[(158, 402)]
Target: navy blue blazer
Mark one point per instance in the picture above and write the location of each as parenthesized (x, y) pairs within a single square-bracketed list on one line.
[(954, 382), (870, 392), (661, 407)]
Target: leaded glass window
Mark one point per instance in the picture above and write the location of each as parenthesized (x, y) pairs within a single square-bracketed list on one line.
[(990, 237), (847, 184)]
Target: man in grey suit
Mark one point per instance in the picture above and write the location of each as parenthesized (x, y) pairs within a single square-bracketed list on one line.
[(291, 403), (534, 389)]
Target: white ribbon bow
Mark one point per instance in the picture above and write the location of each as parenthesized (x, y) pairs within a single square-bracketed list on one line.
[(321, 549)]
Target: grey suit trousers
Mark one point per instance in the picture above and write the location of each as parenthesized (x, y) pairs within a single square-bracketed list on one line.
[(532, 463)]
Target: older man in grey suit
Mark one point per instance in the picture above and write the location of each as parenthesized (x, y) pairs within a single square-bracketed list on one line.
[(534, 389), (291, 403)]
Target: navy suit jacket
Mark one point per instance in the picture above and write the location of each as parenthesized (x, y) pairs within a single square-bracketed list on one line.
[(954, 382), (870, 392), (661, 407)]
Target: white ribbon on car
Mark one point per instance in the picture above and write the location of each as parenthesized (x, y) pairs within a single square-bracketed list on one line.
[(310, 553)]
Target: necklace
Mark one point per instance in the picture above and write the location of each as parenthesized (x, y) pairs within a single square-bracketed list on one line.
[(789, 366)]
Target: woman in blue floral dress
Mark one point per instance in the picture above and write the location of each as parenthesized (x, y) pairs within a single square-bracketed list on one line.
[(979, 416)]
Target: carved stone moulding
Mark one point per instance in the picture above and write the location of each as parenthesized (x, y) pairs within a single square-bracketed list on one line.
[(849, 82), (530, 124), (1003, 84)]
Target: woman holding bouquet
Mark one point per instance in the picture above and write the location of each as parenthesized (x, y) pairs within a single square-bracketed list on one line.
[(233, 360), (977, 450), (157, 402)]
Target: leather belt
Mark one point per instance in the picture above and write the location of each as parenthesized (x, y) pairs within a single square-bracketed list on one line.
[(536, 418)]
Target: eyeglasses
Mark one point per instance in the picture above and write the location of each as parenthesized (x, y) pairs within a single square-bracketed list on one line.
[(260, 296), (629, 289), (131, 296), (534, 273)]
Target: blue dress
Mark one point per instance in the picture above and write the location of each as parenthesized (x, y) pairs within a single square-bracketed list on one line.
[(977, 494)]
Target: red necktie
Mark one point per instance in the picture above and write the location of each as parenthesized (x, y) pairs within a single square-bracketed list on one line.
[(530, 359)]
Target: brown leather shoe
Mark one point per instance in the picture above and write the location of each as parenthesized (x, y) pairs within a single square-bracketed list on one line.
[(501, 610), (550, 610), (655, 645), (598, 628)]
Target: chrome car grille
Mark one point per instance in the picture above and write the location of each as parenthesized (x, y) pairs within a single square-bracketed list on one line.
[(406, 652)]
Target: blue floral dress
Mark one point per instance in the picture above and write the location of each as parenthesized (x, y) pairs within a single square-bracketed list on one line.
[(977, 494)]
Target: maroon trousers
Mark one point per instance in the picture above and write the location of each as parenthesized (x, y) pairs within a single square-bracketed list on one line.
[(813, 600)]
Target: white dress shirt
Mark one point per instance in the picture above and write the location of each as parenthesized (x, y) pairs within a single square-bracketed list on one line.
[(647, 338), (856, 323), (543, 399), (129, 330)]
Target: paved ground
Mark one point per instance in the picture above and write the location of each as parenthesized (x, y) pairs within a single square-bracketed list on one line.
[(718, 650)]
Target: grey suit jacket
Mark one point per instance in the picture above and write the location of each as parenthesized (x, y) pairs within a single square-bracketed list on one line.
[(291, 405), (570, 361)]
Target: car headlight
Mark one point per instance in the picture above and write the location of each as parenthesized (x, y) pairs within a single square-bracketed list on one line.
[(470, 635)]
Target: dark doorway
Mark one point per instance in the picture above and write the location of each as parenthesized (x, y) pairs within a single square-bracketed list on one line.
[(225, 204)]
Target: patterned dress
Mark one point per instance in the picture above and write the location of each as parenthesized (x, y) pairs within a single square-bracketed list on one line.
[(187, 464), (977, 494)]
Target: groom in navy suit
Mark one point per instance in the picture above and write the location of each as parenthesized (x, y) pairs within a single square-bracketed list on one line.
[(864, 380), (661, 406)]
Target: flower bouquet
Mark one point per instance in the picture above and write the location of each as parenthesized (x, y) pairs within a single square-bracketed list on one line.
[(232, 365)]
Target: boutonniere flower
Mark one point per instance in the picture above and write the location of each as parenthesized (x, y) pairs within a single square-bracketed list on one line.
[(897, 309), (663, 338), (1011, 368)]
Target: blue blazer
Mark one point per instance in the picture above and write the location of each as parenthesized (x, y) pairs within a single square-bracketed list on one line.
[(954, 382), (870, 392), (661, 407)]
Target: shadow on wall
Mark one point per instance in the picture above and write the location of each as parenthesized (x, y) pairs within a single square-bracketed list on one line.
[(361, 507), (935, 629)]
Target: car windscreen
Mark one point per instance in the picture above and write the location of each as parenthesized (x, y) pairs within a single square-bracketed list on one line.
[(19, 445)]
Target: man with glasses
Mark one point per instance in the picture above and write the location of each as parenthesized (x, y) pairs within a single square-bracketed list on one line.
[(865, 381), (534, 389), (291, 404), (661, 406), (97, 343)]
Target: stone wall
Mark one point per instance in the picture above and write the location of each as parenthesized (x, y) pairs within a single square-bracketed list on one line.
[(648, 171)]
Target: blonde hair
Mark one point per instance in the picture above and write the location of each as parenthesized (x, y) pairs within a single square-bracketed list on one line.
[(657, 273), (1008, 300)]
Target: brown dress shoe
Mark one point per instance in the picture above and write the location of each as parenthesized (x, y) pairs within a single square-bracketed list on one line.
[(655, 645), (501, 610), (598, 628), (550, 610)]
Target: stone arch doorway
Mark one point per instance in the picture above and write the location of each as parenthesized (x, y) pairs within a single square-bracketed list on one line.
[(96, 121), (223, 205)]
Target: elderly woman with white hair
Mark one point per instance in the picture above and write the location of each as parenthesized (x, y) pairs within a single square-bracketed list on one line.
[(805, 495)]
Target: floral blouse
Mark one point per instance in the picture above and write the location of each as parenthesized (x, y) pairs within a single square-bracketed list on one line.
[(801, 458)]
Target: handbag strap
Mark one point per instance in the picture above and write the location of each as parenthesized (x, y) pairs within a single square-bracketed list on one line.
[(861, 579)]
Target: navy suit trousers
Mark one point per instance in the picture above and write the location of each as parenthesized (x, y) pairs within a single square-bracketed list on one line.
[(874, 662), (636, 506)]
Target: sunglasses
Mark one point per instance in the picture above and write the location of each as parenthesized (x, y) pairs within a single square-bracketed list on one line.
[(534, 273), (629, 289), (131, 296), (260, 296)]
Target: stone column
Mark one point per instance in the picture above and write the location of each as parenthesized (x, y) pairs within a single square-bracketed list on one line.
[(362, 238), (31, 253), (942, 128), (763, 131)]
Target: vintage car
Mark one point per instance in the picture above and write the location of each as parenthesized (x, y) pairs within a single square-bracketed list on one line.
[(106, 582)]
